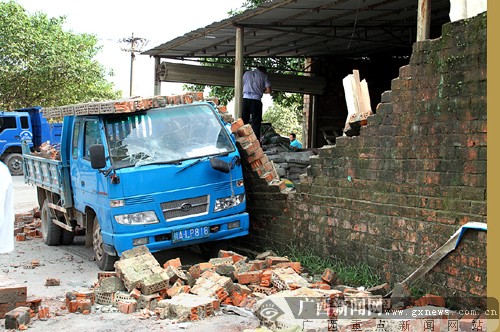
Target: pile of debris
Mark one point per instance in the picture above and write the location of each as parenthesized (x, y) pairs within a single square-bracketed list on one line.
[(25, 226), (273, 289), (190, 293), (48, 151), (289, 164)]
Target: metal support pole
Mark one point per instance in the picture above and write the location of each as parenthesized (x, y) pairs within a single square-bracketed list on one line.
[(157, 90), (424, 20), (238, 74)]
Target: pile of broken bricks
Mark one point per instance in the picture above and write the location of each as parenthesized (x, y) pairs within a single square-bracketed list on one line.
[(26, 226), (230, 283)]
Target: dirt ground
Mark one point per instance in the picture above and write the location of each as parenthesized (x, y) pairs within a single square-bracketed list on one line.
[(32, 263)]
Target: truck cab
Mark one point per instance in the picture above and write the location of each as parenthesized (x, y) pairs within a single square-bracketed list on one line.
[(25, 124), (164, 177)]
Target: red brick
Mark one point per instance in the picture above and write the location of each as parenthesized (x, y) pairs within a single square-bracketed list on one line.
[(255, 164), (252, 277), (269, 177), (236, 125), (237, 298), (273, 260), (126, 307), (79, 305), (257, 265), (430, 299), (252, 148), (85, 296), (34, 303), (175, 263), (329, 276), (265, 280), (264, 159), (235, 256), (245, 130), (43, 313), (269, 166), (196, 270), (294, 265), (260, 171), (255, 156), (135, 293), (21, 237), (102, 275), (11, 294), (321, 285)]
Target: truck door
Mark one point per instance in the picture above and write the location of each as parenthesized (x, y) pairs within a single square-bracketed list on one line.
[(12, 130), (86, 181)]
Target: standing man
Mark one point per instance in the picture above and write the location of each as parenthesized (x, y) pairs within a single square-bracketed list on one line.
[(6, 210), (294, 143), (255, 84)]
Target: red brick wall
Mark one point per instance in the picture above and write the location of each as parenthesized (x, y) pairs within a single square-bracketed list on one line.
[(417, 172)]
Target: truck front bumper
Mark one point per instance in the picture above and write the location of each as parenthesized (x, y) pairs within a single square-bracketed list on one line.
[(171, 237)]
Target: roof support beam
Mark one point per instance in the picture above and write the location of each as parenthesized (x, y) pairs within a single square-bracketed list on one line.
[(423, 20), (238, 73), (157, 86)]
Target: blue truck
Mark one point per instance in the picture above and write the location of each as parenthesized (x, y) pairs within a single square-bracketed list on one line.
[(163, 177), (24, 124)]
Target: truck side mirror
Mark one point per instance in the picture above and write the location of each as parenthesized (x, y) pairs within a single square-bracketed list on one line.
[(219, 165), (97, 158)]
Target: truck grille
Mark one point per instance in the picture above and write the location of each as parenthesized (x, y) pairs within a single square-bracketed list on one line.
[(185, 208)]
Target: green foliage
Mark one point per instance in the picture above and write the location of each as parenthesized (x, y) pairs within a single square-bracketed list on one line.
[(284, 120), (41, 64), (350, 275), (248, 4)]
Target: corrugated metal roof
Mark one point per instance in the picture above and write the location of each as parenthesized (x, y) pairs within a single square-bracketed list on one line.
[(297, 28)]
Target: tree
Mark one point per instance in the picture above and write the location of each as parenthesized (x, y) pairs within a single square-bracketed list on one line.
[(284, 120), (41, 64)]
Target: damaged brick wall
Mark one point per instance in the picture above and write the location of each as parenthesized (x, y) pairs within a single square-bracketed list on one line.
[(393, 195)]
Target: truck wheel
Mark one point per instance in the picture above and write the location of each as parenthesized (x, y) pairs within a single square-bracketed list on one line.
[(14, 162), (104, 261), (67, 237), (51, 233)]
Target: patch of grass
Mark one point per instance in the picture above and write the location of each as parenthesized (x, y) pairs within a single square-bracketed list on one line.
[(417, 291), (351, 275)]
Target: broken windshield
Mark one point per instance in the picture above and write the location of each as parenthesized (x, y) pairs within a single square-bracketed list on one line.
[(166, 135)]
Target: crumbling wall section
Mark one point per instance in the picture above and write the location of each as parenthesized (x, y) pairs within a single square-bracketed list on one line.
[(394, 194)]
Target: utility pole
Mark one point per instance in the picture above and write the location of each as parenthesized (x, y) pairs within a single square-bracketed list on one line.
[(133, 44)]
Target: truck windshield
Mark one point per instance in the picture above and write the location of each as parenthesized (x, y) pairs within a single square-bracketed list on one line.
[(166, 135)]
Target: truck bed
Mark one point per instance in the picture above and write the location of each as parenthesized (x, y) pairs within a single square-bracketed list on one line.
[(48, 174)]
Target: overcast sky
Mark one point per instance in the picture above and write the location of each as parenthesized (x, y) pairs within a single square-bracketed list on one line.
[(112, 20)]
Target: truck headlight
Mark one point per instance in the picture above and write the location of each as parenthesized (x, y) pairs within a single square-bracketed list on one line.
[(139, 218), (228, 202)]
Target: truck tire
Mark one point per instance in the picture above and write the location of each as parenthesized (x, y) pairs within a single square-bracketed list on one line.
[(104, 261), (14, 162), (51, 233), (67, 237)]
